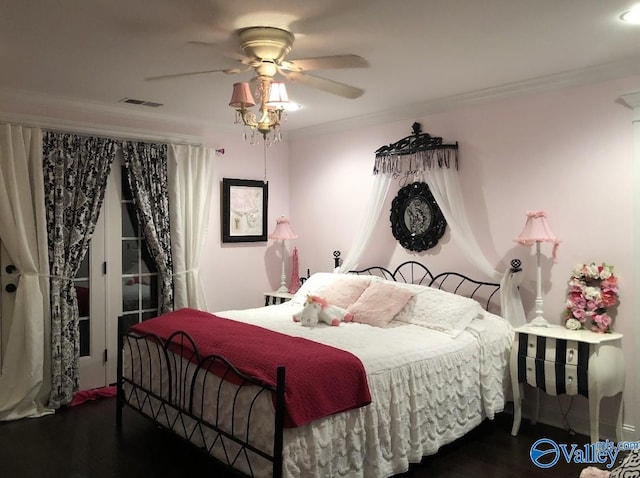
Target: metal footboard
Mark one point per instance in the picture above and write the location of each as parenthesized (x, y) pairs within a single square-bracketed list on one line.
[(166, 381)]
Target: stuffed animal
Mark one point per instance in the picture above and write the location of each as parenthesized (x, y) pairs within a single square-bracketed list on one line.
[(317, 309), (308, 316)]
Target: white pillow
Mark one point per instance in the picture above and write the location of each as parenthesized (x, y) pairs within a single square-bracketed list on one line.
[(439, 310)]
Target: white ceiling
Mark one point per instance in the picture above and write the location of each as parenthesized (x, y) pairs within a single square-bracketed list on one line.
[(420, 52)]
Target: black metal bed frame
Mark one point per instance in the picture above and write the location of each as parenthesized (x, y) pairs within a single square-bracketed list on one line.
[(412, 272), (178, 388)]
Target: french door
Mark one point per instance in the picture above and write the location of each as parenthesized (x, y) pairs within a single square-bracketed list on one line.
[(122, 280)]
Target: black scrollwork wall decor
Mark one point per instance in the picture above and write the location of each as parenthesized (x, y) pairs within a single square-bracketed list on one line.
[(416, 220)]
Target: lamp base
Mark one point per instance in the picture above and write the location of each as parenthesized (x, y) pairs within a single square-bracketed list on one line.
[(283, 288), (539, 322)]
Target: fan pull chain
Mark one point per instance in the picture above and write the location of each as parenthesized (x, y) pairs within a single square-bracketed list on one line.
[(264, 147)]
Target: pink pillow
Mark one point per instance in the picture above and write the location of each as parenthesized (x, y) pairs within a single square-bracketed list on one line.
[(379, 304), (345, 291)]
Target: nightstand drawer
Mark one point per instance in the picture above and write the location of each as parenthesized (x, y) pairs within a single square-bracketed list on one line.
[(555, 378), (556, 366)]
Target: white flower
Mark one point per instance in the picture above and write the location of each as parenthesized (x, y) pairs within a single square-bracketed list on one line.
[(573, 324), (592, 293), (592, 270), (606, 272)]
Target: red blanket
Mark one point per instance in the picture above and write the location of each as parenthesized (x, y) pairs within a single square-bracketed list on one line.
[(320, 380)]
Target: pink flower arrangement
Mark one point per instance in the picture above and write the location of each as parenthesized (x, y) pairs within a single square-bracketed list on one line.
[(592, 289)]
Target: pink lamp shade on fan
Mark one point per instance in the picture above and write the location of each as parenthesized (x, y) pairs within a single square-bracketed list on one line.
[(537, 229)]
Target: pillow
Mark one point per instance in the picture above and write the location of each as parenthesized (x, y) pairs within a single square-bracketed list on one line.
[(379, 303), (440, 310), (345, 290)]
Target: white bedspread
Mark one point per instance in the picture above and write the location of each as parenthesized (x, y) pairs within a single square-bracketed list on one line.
[(428, 389)]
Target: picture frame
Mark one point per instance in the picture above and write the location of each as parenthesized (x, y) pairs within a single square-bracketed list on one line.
[(244, 210), (416, 220)]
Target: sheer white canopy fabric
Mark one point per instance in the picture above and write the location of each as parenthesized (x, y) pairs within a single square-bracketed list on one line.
[(190, 171), (25, 376), (439, 170), (445, 187), (379, 191)]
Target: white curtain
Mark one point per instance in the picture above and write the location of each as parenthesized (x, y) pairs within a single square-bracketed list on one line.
[(190, 171), (445, 187), (25, 377), (379, 191)]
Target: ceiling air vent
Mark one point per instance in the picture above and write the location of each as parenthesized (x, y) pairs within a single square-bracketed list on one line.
[(132, 101)]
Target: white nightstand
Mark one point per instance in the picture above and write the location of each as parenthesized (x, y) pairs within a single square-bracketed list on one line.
[(572, 362), (273, 298)]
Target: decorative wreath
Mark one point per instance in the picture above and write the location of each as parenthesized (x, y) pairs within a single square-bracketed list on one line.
[(592, 290)]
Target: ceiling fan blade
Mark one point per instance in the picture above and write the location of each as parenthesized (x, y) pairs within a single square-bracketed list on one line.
[(324, 84), (325, 63), (228, 71)]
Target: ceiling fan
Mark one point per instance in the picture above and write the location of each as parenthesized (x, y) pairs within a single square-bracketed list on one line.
[(264, 50)]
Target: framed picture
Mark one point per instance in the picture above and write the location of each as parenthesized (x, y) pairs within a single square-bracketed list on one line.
[(244, 210)]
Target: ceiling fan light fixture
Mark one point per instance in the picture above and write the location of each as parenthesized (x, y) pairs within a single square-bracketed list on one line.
[(273, 99), (278, 97), (632, 16)]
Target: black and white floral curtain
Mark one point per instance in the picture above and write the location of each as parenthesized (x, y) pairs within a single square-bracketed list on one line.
[(146, 165), (76, 169)]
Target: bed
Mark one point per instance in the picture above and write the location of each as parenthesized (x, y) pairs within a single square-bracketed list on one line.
[(435, 368)]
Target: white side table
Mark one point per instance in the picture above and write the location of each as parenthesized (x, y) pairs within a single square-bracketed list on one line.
[(273, 298), (572, 362)]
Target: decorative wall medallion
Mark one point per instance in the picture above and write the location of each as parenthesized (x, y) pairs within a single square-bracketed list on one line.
[(416, 220)]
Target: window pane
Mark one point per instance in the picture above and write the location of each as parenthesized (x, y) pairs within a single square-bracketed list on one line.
[(82, 293), (83, 272), (150, 292), (129, 220), (148, 264), (129, 320), (84, 327), (130, 261), (130, 294), (149, 315)]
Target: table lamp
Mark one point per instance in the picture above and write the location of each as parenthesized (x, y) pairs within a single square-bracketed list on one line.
[(282, 232), (536, 231)]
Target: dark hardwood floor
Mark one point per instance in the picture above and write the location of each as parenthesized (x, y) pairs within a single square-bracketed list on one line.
[(83, 442)]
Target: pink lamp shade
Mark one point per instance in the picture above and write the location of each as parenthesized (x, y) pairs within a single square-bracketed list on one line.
[(537, 229), (241, 96), (278, 97), (283, 231)]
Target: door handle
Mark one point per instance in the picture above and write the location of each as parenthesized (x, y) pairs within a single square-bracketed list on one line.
[(10, 288)]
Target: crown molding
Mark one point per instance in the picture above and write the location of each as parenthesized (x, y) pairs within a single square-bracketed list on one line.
[(614, 70), (106, 118), (116, 132)]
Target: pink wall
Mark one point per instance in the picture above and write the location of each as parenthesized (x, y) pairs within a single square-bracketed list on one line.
[(568, 152), (236, 275)]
